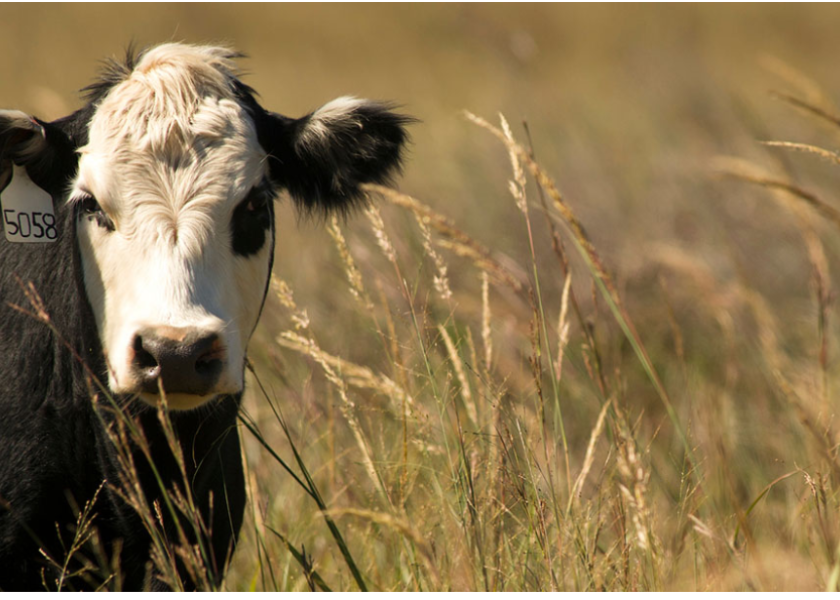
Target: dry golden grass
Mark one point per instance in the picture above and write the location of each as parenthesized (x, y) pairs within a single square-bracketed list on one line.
[(481, 448)]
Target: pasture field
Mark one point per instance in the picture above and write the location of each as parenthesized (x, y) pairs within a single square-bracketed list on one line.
[(591, 345)]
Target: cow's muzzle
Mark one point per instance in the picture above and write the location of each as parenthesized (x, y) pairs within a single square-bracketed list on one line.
[(179, 360)]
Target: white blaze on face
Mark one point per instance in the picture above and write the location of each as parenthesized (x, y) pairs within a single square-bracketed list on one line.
[(171, 155)]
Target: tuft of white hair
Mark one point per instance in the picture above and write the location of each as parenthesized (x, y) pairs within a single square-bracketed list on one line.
[(165, 90), (321, 123)]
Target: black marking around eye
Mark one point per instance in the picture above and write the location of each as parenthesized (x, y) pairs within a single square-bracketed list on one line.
[(251, 219)]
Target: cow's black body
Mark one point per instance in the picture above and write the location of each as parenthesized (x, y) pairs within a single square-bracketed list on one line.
[(54, 451)]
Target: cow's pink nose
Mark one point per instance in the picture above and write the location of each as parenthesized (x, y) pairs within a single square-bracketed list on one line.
[(185, 361)]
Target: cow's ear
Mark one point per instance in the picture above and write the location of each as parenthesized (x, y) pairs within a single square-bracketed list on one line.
[(22, 137), (43, 148), (324, 157)]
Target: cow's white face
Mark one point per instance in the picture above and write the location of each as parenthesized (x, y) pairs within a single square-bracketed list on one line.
[(175, 234)]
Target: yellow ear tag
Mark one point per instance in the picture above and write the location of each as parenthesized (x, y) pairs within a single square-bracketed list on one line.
[(28, 212)]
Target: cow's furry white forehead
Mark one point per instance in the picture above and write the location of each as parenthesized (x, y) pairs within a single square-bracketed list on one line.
[(170, 143), (166, 85)]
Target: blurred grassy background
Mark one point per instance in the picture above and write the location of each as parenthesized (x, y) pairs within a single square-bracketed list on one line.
[(628, 106)]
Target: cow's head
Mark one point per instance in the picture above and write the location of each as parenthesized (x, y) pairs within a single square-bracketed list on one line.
[(177, 168)]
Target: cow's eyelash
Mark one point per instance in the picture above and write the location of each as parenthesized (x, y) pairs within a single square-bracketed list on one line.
[(81, 197)]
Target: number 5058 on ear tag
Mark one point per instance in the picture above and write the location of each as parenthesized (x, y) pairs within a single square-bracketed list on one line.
[(28, 213)]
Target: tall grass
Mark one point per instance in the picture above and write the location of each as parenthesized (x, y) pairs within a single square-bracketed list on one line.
[(491, 425), (450, 417)]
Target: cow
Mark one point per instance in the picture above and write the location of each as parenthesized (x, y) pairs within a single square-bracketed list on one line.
[(136, 257)]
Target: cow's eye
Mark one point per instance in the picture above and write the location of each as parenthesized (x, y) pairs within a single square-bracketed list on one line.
[(256, 202), (89, 207), (250, 221)]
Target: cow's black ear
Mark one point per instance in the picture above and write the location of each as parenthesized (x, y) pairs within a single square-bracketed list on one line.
[(324, 157), (22, 137), (43, 148)]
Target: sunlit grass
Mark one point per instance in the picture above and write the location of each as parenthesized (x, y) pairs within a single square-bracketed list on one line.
[(462, 476)]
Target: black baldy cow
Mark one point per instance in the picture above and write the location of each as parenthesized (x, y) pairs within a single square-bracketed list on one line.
[(152, 209)]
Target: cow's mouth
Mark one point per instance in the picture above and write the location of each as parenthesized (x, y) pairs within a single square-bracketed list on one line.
[(177, 401)]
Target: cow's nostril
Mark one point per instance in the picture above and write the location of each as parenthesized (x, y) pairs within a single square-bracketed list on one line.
[(210, 353), (143, 359), (207, 365), (210, 363), (182, 360)]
